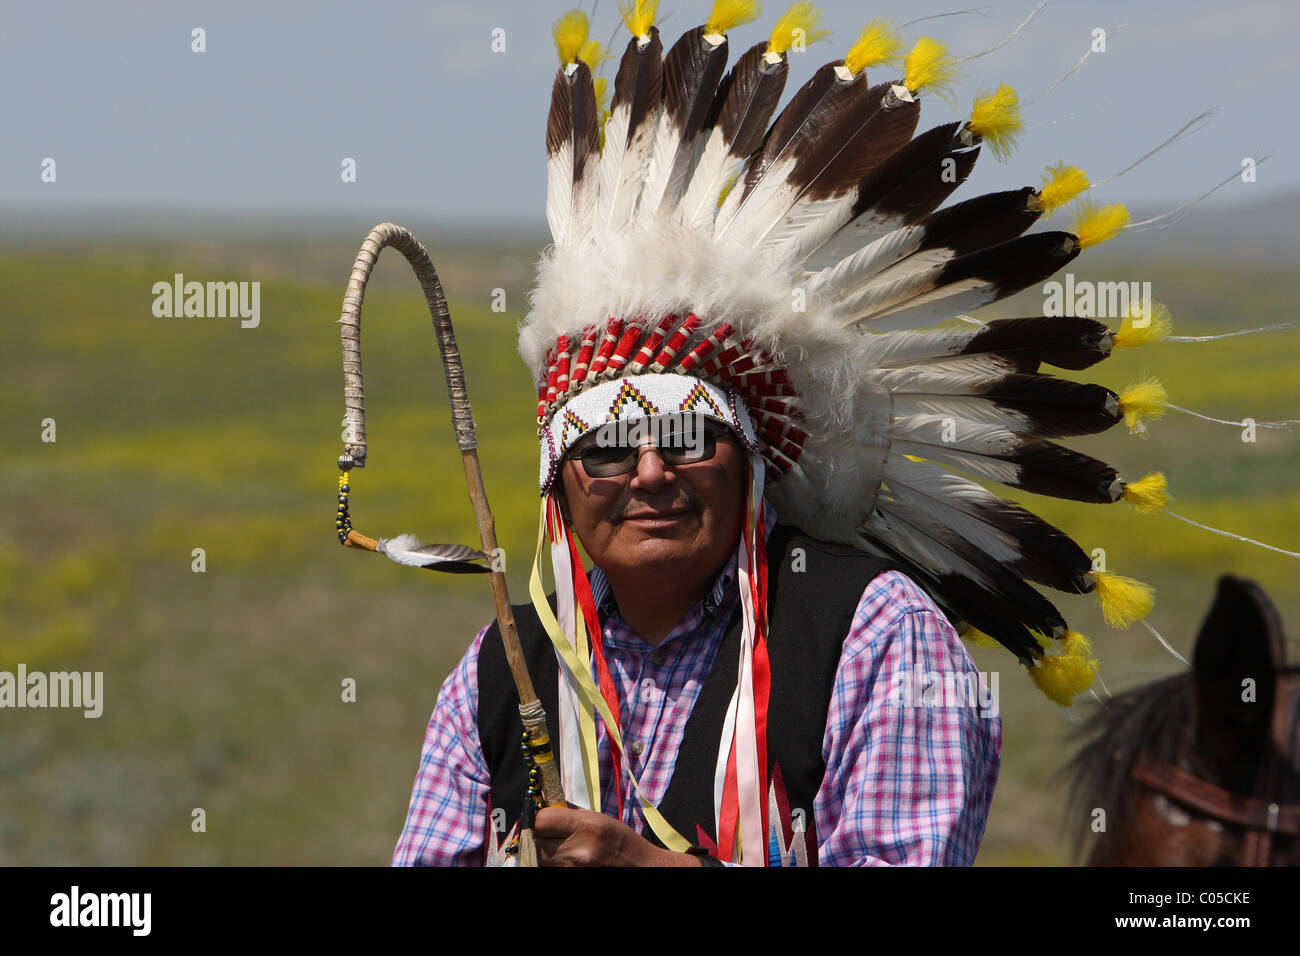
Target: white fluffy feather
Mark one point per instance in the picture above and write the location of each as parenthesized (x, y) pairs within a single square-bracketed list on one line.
[(664, 266)]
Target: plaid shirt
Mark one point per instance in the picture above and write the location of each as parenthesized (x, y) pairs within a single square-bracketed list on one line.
[(908, 779)]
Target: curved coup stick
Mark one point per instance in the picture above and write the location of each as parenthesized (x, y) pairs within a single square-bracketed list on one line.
[(354, 456)]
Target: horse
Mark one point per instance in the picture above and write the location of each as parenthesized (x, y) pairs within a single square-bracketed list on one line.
[(1202, 768)]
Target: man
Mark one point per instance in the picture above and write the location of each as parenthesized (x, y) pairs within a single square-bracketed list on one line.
[(904, 783), (727, 331)]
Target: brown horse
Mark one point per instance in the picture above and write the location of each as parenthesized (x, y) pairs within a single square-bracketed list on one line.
[(1203, 768)]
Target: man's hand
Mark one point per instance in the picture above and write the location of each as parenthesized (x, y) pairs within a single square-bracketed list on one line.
[(570, 837)]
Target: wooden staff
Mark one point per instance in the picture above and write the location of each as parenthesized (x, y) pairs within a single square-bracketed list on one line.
[(354, 456)]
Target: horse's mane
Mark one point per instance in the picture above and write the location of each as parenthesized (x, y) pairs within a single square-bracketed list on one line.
[(1149, 717)]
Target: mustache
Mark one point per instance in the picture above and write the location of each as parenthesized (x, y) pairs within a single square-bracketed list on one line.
[(683, 499)]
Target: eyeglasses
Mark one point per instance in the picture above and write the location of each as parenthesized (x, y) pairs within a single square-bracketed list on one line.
[(680, 447)]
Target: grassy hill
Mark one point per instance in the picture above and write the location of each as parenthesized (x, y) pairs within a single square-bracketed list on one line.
[(222, 688)]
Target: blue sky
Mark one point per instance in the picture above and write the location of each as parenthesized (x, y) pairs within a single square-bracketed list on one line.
[(440, 125)]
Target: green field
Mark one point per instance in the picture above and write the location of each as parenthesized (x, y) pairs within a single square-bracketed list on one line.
[(223, 688)]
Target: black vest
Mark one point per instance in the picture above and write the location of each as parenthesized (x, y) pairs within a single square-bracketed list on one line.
[(813, 590)]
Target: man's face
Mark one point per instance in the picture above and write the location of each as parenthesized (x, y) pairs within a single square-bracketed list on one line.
[(682, 520)]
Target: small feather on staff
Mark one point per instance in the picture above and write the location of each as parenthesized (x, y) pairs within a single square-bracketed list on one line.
[(452, 558)]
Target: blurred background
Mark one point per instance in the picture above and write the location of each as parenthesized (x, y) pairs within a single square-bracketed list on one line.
[(223, 688)]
